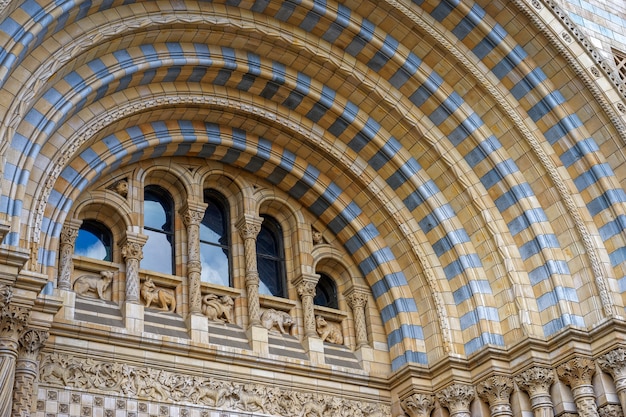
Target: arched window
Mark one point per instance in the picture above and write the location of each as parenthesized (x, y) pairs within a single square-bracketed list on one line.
[(158, 211), (271, 259), (94, 240), (214, 242), (326, 292)]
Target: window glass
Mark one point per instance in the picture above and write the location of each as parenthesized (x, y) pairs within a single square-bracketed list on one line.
[(94, 240), (326, 292), (214, 242), (270, 259), (158, 252)]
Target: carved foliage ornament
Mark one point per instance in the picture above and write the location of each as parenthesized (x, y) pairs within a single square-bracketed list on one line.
[(614, 363), (536, 380), (418, 405), (576, 372), (496, 389), (456, 397), (161, 385)]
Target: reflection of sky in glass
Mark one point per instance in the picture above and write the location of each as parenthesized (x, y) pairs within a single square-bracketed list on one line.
[(214, 265), (154, 215), (89, 245), (212, 226), (157, 253)]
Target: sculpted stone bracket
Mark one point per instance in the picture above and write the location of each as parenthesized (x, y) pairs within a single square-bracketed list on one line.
[(92, 375)]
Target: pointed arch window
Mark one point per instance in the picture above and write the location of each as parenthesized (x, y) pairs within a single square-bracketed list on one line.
[(214, 240), (158, 252), (271, 259), (94, 240), (326, 292)]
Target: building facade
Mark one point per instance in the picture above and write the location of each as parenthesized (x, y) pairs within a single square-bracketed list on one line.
[(312, 208)]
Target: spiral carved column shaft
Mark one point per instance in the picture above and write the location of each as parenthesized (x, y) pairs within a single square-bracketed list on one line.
[(249, 227), (12, 323), (305, 285), (536, 382), (26, 370), (192, 217), (357, 301), (577, 374), (132, 251), (66, 250)]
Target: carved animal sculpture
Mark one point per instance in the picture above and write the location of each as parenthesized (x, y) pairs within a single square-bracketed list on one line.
[(98, 285), (203, 393), (327, 332), (313, 409), (272, 319), (151, 293), (249, 401), (218, 308)]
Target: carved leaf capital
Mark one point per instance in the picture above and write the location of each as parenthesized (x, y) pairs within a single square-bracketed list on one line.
[(32, 340), (418, 405), (576, 372), (132, 250), (13, 321), (614, 362), (306, 288), (69, 234), (457, 397), (357, 300), (496, 389), (249, 230), (536, 380)]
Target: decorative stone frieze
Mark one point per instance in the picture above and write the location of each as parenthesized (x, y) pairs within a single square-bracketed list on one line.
[(151, 384), (418, 405), (457, 399), (577, 373), (536, 382), (496, 391)]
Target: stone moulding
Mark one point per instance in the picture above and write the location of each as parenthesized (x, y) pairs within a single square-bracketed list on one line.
[(151, 384)]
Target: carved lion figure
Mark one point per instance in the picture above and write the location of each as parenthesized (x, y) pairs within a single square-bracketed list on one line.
[(272, 319), (98, 285), (328, 332), (151, 293), (218, 308)]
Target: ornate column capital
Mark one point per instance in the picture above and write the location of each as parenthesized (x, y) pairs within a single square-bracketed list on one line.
[(192, 213), (31, 341), (305, 284), (576, 372), (13, 319), (132, 246), (496, 391), (357, 299), (536, 380), (249, 226), (418, 405), (6, 293), (457, 398), (69, 231), (614, 363)]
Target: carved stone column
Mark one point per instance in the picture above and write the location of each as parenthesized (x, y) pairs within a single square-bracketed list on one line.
[(12, 322), (611, 410), (418, 405), (192, 217), (305, 285), (614, 363), (496, 391), (27, 370), (577, 374), (357, 299), (457, 399), (249, 228), (536, 382), (132, 251), (66, 251)]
